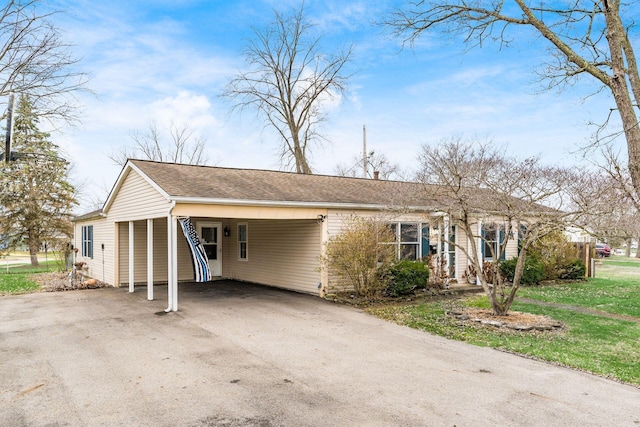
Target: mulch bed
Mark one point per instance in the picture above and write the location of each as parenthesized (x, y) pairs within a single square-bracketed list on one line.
[(514, 320), (60, 281)]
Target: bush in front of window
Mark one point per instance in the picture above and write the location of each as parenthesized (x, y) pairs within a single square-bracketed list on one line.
[(406, 276), (358, 258), (533, 270)]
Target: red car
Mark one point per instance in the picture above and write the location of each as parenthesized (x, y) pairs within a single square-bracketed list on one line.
[(603, 250)]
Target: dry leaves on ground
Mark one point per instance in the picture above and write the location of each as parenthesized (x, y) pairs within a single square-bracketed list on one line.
[(60, 281), (513, 320)]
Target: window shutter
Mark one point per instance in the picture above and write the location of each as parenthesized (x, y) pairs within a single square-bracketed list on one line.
[(501, 242), (90, 241), (483, 242), (425, 240)]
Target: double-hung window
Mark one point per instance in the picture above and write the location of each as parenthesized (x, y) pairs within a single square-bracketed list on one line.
[(492, 240), (87, 241), (243, 242), (411, 239)]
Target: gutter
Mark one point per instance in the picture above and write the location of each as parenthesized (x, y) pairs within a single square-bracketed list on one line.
[(291, 204)]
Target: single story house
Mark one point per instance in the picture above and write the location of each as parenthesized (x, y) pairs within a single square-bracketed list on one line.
[(258, 226)]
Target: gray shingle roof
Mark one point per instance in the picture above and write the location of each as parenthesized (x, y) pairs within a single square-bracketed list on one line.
[(206, 182)]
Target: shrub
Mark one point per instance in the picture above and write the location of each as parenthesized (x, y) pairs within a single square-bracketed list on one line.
[(406, 276), (572, 270), (532, 274), (355, 258), (555, 253)]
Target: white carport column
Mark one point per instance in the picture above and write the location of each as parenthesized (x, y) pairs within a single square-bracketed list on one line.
[(172, 264), (131, 258), (150, 259), (174, 256)]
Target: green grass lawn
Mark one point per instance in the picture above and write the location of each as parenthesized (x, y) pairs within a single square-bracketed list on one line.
[(16, 280), (596, 343)]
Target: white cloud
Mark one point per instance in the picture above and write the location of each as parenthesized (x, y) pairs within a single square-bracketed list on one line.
[(185, 107)]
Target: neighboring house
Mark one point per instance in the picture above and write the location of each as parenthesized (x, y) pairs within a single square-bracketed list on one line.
[(578, 235), (257, 226)]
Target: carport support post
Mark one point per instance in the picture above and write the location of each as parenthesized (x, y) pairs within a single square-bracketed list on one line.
[(172, 267), (150, 259), (174, 256), (131, 258)]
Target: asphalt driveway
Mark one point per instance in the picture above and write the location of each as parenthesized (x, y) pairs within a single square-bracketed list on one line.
[(244, 355)]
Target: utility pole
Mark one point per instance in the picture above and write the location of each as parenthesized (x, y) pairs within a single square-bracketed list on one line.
[(7, 151), (364, 152)]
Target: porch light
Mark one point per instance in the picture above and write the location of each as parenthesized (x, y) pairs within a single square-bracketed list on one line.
[(321, 218), (227, 231)]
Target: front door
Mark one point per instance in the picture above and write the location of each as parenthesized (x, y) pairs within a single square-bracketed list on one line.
[(211, 239)]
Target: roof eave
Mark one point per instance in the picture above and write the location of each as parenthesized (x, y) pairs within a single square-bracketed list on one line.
[(289, 204)]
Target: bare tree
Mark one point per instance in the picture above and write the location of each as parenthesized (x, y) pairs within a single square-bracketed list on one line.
[(375, 163), (479, 188), (36, 61), (288, 82), (591, 38), (619, 205), (183, 146)]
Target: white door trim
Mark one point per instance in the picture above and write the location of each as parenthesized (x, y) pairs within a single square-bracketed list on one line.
[(214, 264)]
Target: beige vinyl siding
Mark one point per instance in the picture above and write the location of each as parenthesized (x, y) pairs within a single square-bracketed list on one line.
[(336, 219), (462, 261), (283, 254), (137, 199), (101, 266), (160, 250), (512, 247)]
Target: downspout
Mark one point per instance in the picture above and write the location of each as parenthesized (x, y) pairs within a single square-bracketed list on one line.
[(170, 235)]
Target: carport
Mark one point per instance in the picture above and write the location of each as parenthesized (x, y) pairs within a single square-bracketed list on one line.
[(246, 243)]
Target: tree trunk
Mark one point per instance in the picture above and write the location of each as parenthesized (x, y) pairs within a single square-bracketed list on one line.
[(302, 166), (616, 38), (34, 246), (628, 248)]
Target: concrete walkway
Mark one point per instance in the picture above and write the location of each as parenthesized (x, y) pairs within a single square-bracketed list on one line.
[(244, 355)]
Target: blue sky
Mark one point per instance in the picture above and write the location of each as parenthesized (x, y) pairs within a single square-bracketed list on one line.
[(169, 60)]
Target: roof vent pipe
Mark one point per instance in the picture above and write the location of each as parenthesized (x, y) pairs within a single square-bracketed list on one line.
[(376, 175)]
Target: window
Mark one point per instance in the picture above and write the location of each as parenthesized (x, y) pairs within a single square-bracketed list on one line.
[(242, 242), (87, 241), (411, 239), (492, 238)]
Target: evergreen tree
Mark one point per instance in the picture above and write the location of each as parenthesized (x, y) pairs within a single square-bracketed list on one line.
[(35, 194)]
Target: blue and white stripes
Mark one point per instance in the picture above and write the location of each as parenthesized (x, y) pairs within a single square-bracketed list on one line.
[(199, 258)]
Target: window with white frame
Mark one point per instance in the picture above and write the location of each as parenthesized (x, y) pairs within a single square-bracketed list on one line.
[(493, 236), (87, 241), (411, 239), (243, 242)]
